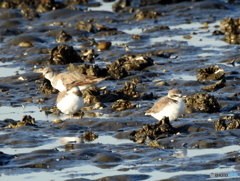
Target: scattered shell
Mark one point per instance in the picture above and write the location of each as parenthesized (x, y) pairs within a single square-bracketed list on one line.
[(25, 44), (104, 46)]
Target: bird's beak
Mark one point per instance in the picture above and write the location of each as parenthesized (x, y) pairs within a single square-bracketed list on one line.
[(42, 76)]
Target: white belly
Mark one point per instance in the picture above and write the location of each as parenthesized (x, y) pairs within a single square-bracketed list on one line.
[(172, 110), (70, 104)]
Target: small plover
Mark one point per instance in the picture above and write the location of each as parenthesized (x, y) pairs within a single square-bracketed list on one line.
[(171, 106), (70, 101), (61, 80)]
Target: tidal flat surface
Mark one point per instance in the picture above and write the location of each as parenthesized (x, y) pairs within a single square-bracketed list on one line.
[(178, 37)]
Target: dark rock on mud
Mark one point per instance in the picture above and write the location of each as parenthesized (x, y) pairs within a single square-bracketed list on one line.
[(118, 69), (209, 73), (159, 130), (203, 102), (214, 87), (88, 55), (63, 37), (86, 26), (121, 105), (89, 136), (63, 54), (47, 88), (220, 124), (26, 121), (87, 69), (231, 29), (134, 62), (91, 95), (128, 92)]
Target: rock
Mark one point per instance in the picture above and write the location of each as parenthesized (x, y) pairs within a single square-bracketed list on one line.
[(203, 102), (63, 54), (89, 136), (46, 88), (63, 37), (231, 29), (210, 73), (128, 91), (218, 85), (26, 121), (154, 131), (220, 124), (121, 105), (87, 69)]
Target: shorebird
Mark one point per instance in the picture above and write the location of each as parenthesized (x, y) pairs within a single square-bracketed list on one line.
[(70, 101), (171, 106), (59, 81)]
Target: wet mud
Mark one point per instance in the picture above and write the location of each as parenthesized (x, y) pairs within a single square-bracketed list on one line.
[(142, 49)]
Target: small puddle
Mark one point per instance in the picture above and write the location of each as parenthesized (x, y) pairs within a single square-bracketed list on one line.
[(16, 113), (181, 153), (7, 70), (105, 6), (184, 77)]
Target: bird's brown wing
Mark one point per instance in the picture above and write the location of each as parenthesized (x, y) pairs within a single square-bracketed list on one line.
[(78, 79), (158, 105)]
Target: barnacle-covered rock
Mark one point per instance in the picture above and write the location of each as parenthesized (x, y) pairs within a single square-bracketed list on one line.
[(231, 28), (87, 69), (26, 121), (89, 136), (203, 102), (209, 73), (86, 26), (120, 6), (146, 15), (128, 91), (161, 129), (121, 105), (49, 5), (91, 95), (88, 55), (63, 54), (218, 85), (220, 124), (46, 88), (63, 37), (116, 71), (30, 13), (135, 62)]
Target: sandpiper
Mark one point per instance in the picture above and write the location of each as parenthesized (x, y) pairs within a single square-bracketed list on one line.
[(59, 81), (70, 101), (171, 106)]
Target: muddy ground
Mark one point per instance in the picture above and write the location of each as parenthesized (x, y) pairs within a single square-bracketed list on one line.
[(144, 49)]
